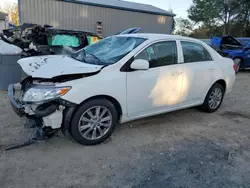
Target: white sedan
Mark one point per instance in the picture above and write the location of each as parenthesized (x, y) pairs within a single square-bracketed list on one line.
[(120, 79)]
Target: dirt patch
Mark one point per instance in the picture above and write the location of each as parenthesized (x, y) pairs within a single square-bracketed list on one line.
[(230, 114), (201, 164)]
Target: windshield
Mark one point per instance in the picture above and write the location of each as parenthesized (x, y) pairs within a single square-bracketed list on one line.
[(244, 42), (108, 51)]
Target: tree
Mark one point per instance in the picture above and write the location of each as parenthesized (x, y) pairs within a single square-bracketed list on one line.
[(205, 32), (215, 12), (173, 22), (12, 11), (243, 20), (183, 26)]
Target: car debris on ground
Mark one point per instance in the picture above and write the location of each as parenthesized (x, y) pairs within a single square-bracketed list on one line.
[(37, 40)]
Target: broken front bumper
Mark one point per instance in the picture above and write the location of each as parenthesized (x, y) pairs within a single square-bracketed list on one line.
[(16, 105), (54, 114)]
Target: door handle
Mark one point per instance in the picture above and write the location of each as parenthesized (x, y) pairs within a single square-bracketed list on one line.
[(176, 73)]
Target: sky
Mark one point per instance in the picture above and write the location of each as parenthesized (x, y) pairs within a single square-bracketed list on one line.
[(6, 1), (3, 2), (179, 7)]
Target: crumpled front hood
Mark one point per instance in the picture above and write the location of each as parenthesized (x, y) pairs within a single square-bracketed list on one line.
[(55, 65)]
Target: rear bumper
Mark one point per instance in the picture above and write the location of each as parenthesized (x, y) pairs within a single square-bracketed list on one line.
[(16, 105), (230, 83)]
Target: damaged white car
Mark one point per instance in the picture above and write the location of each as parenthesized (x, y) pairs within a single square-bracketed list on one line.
[(119, 79)]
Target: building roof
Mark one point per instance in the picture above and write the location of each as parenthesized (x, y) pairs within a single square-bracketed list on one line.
[(124, 5), (3, 16)]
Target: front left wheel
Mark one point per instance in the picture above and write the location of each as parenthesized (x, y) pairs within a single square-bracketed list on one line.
[(94, 121)]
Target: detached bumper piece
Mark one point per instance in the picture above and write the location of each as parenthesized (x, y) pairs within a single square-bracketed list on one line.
[(20, 145), (40, 135)]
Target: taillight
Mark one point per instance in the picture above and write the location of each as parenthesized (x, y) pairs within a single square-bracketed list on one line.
[(235, 67)]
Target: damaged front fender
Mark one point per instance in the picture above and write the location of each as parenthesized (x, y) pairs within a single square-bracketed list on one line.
[(67, 117), (50, 113)]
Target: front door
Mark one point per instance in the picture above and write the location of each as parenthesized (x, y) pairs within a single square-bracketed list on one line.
[(158, 88)]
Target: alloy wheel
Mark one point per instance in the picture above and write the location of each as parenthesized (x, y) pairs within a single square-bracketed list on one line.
[(215, 98), (95, 123)]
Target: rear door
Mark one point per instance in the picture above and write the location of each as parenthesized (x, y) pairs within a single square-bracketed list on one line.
[(199, 72)]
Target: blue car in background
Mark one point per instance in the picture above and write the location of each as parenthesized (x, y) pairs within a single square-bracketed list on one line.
[(237, 49), (245, 41)]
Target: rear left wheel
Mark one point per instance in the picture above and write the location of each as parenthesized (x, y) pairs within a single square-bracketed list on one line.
[(94, 122), (214, 98)]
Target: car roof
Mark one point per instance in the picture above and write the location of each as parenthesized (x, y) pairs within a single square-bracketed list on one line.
[(154, 36)]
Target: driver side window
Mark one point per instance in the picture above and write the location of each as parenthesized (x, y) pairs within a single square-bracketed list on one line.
[(160, 54)]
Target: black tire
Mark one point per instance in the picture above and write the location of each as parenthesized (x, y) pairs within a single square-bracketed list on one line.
[(74, 130), (206, 107)]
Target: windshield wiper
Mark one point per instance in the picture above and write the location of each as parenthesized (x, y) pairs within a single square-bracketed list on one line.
[(99, 61), (80, 56)]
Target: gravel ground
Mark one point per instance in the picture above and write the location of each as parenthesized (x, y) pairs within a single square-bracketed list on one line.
[(184, 149)]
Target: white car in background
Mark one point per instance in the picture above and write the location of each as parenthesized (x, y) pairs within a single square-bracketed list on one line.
[(120, 79)]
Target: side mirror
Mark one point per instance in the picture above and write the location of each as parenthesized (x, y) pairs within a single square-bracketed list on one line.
[(140, 64)]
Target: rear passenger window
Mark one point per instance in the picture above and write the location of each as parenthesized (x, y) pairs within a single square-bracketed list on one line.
[(193, 52), (160, 54)]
